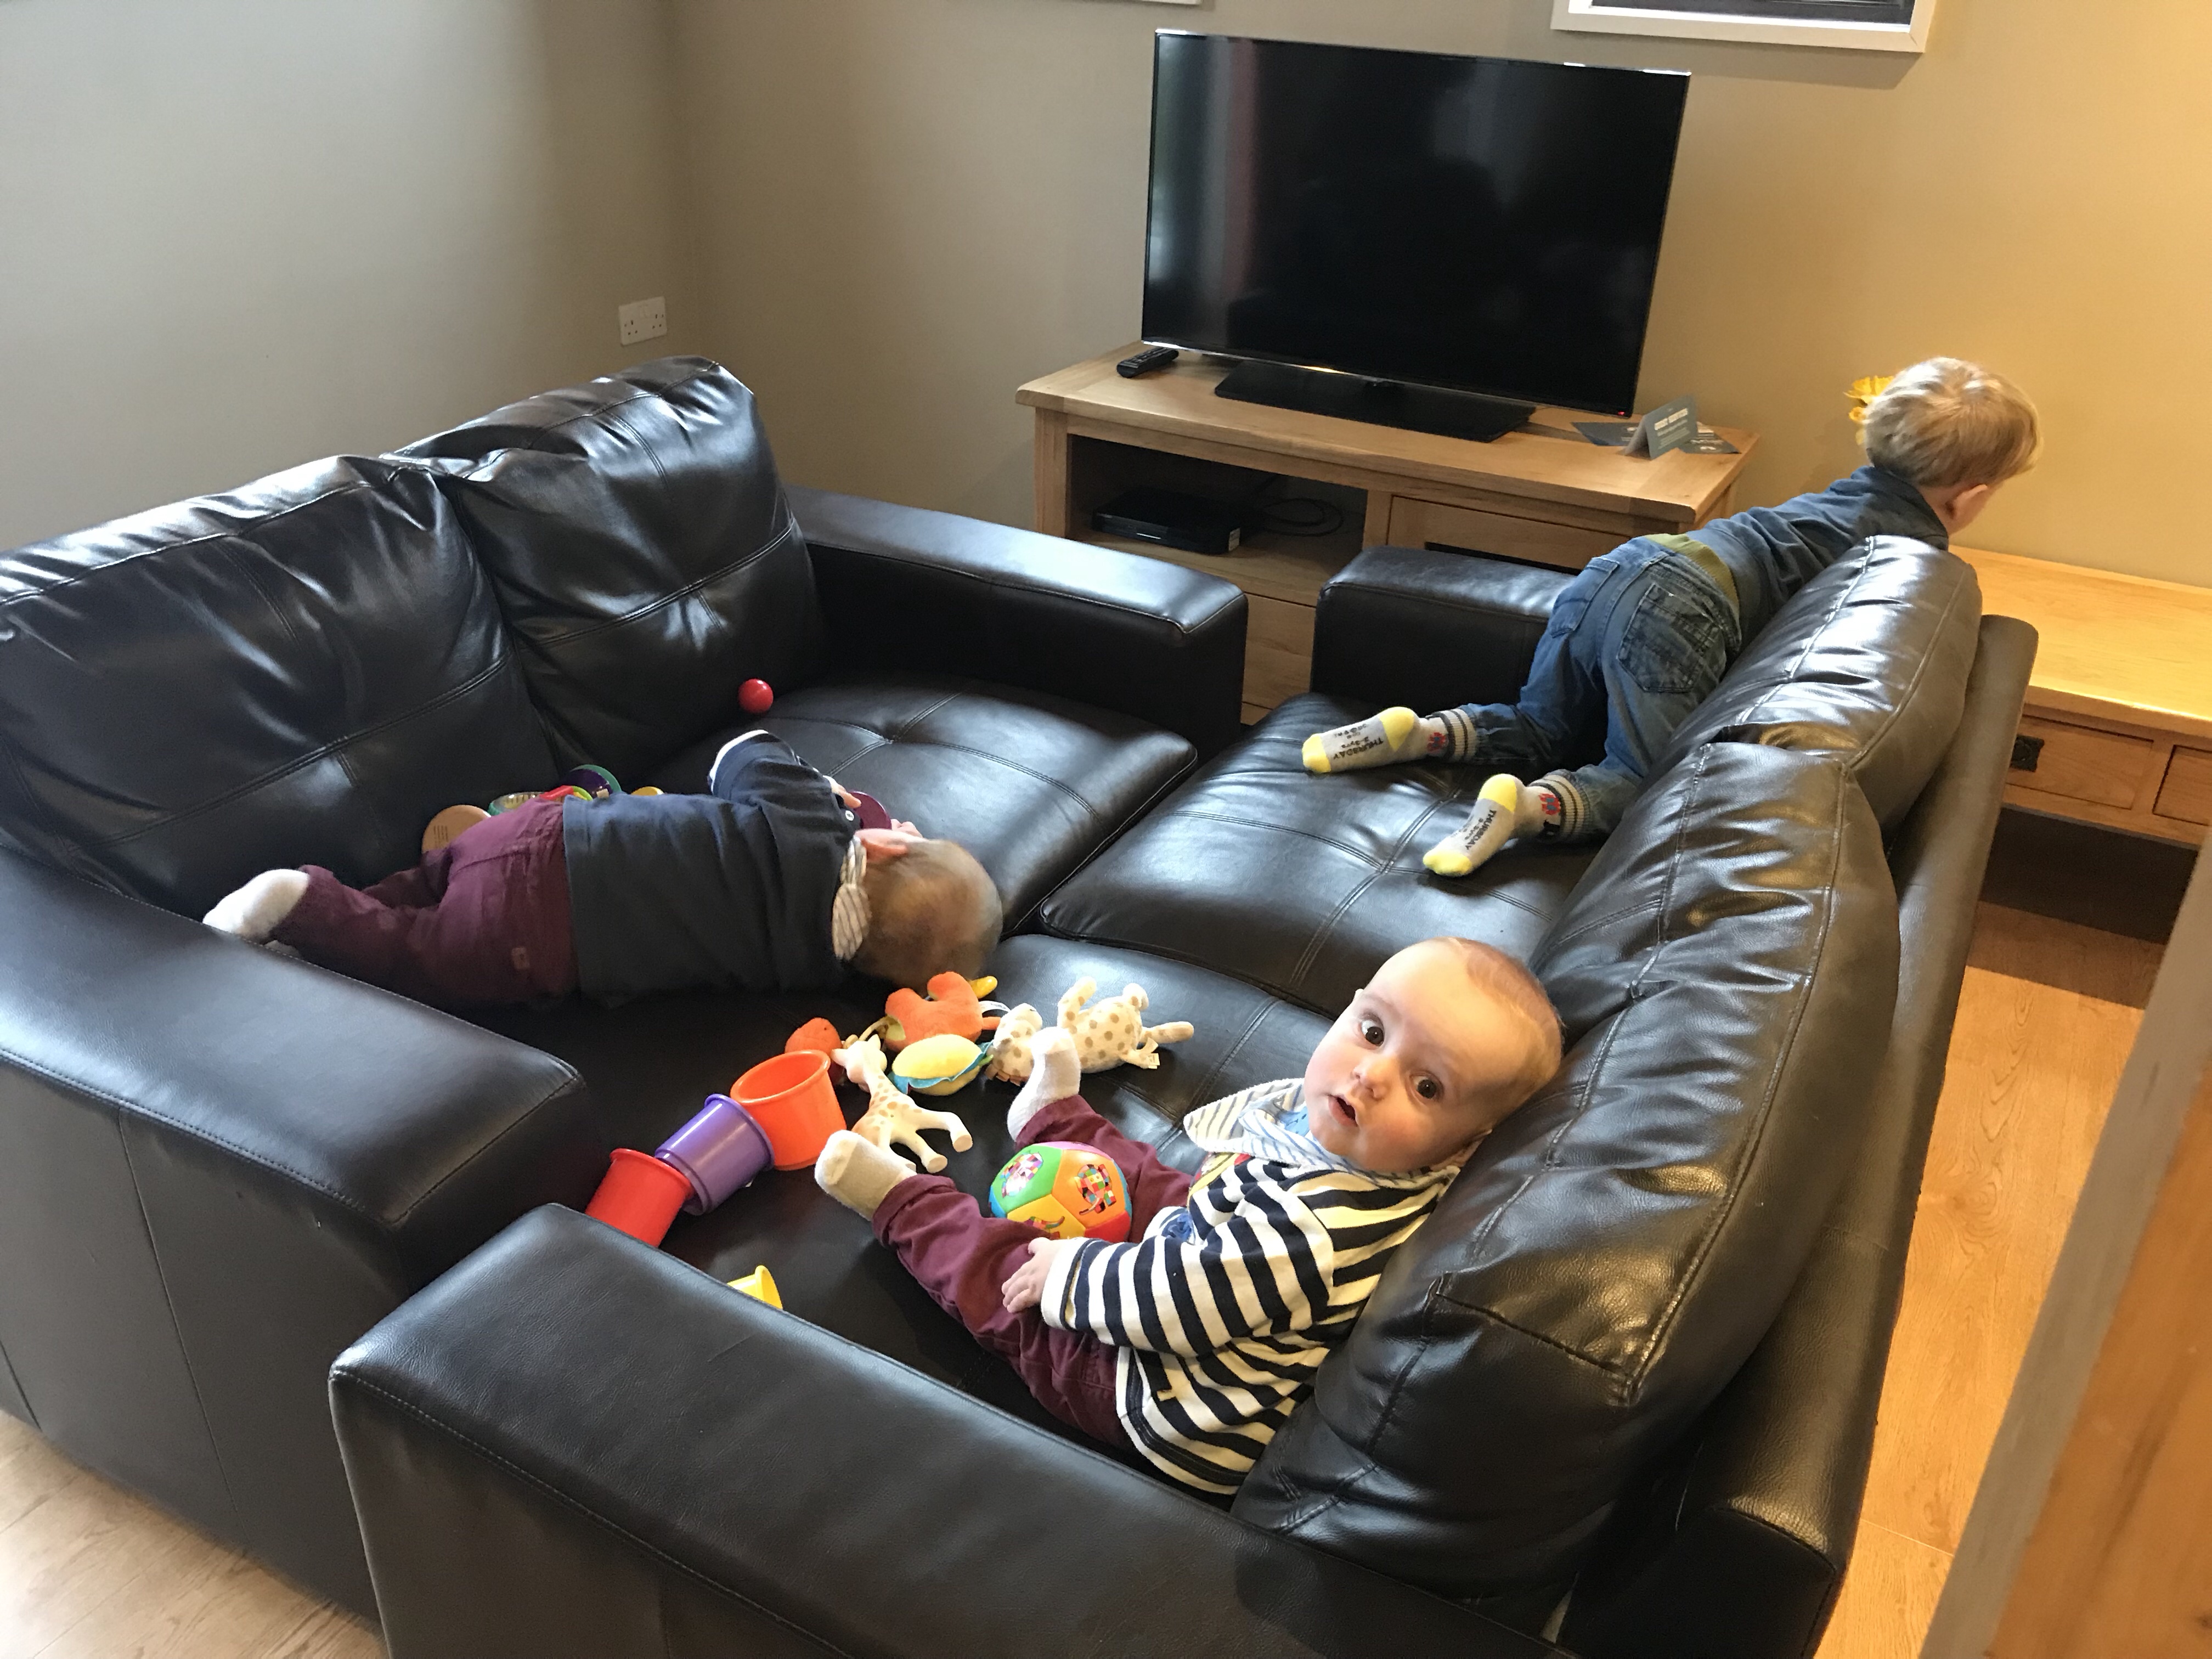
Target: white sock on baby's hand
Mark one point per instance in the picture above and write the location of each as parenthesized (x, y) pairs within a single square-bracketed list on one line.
[(1054, 1074), (859, 1174), (258, 909)]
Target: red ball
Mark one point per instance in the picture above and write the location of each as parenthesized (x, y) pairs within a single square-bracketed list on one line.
[(755, 696)]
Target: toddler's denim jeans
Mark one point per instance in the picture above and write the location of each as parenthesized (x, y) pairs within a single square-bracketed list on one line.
[(1636, 641)]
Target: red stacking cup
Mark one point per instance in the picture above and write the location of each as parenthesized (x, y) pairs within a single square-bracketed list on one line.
[(640, 1196), (790, 1096)]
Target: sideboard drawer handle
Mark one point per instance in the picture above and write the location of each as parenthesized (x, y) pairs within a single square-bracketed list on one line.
[(2026, 752)]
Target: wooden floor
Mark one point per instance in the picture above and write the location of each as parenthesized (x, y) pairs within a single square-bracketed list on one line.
[(2046, 1018), (88, 1571)]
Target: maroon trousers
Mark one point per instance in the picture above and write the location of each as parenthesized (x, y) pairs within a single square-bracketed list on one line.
[(484, 919), (963, 1258)]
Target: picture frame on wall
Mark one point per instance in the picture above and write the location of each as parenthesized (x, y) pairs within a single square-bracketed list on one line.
[(1851, 25)]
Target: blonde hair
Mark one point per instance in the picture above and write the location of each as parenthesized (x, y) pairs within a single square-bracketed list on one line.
[(1506, 980), (1949, 422), (934, 910)]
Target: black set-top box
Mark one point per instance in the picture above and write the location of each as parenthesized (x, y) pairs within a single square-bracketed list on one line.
[(1173, 520)]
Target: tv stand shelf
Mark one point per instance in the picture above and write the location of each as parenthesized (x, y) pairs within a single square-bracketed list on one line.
[(1541, 494)]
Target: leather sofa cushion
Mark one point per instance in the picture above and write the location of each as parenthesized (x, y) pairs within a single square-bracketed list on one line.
[(1725, 976), (1303, 885), (642, 551), (1031, 784), (302, 671), (1867, 661), (648, 1064)]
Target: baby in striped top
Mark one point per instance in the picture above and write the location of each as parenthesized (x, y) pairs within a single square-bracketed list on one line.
[(1194, 1341)]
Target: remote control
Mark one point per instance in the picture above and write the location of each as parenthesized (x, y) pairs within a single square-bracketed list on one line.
[(1146, 360)]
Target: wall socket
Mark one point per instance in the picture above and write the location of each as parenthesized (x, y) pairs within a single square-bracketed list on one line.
[(643, 319)]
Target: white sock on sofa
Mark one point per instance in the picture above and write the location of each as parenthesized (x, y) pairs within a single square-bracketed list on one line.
[(1506, 810), (258, 909), (1383, 739), (859, 1174), (1054, 1074)]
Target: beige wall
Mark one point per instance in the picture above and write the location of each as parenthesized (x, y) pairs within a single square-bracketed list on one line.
[(235, 234), (907, 207)]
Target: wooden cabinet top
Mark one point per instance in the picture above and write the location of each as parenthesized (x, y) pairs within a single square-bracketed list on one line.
[(2124, 648), (1548, 460)]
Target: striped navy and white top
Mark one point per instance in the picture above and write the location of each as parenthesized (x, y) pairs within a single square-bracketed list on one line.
[(1226, 1308)]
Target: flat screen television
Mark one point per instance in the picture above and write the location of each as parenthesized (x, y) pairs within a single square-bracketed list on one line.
[(1411, 224)]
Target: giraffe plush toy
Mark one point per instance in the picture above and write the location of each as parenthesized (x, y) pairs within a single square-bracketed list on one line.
[(894, 1118), (1107, 1034)]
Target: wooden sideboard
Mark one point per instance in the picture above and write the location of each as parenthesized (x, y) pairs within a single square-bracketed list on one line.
[(2119, 726), (1543, 494)]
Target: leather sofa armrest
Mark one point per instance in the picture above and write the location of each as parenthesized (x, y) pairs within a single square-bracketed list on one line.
[(1742, 1550), (910, 588), (220, 1167), (1431, 630), (572, 1444)]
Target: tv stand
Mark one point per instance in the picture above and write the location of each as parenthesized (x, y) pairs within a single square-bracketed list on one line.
[(1540, 494), (1379, 402)]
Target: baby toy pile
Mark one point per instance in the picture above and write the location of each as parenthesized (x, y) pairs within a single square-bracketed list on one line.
[(781, 1112)]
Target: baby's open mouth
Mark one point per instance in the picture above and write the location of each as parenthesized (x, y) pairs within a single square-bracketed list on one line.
[(1344, 1111)]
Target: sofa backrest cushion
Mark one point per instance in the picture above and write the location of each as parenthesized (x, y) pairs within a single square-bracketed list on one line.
[(639, 541), (1869, 661), (301, 672), (1725, 973)]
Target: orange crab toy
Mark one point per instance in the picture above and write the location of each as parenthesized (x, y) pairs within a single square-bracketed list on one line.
[(953, 1008)]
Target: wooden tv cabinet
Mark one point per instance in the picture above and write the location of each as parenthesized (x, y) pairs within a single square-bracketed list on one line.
[(1543, 494)]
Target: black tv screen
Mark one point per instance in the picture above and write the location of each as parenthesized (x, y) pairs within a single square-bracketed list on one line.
[(1480, 224)]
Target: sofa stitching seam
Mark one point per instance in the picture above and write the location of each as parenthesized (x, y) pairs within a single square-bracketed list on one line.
[(549, 642), (176, 1329), (1206, 1085), (322, 751), (521, 1121), (259, 1160), (354, 1378), (1796, 666), (1896, 712), (1115, 941), (231, 534), (1693, 1270), (1328, 927), (246, 573)]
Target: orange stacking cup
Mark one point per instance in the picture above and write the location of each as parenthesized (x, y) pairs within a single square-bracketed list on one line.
[(790, 1096), (639, 1195)]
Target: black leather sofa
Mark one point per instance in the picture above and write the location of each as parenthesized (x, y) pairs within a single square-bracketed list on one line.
[(218, 1167), (1617, 1395)]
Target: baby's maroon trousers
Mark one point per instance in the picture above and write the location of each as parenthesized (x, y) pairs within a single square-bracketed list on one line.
[(483, 919), (963, 1258)]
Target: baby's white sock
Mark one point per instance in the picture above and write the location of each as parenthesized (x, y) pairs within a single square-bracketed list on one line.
[(1506, 810), (1054, 1074), (1393, 735), (859, 1174), (258, 909)]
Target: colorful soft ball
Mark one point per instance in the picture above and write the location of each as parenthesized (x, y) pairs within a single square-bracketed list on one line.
[(1064, 1189), (756, 697)]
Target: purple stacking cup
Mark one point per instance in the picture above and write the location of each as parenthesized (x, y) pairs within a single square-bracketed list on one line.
[(718, 1152)]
